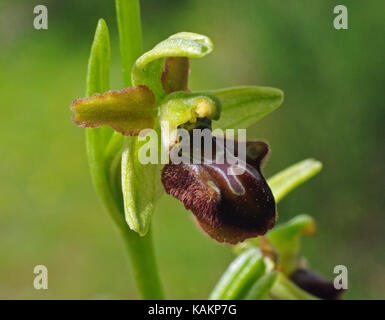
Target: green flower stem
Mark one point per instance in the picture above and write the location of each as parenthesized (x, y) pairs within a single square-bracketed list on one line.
[(140, 249), (130, 35), (142, 258)]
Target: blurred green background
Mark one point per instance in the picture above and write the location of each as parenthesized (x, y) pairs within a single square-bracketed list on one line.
[(333, 111)]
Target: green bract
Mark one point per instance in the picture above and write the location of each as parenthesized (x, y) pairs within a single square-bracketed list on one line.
[(160, 94)]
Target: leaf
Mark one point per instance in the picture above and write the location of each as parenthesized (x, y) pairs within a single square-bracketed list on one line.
[(98, 78), (243, 106), (254, 270), (286, 237), (148, 69), (261, 288), (232, 273), (240, 276), (127, 111), (97, 139), (285, 181)]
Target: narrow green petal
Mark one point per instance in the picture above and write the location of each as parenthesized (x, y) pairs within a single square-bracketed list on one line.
[(127, 111), (149, 68), (243, 106), (285, 181)]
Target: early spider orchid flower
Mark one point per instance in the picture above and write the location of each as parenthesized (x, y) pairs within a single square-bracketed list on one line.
[(230, 208)]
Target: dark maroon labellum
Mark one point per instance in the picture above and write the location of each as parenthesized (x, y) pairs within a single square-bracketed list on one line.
[(230, 208), (316, 284)]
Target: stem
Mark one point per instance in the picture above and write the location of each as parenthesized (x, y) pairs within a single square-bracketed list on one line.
[(130, 35), (140, 249), (143, 262)]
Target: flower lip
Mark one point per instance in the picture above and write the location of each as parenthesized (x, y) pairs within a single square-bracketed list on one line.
[(230, 208)]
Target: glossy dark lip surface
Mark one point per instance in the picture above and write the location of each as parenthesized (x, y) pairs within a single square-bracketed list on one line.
[(229, 208)]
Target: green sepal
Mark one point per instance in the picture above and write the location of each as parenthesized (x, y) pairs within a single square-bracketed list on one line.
[(243, 106), (148, 69), (286, 180)]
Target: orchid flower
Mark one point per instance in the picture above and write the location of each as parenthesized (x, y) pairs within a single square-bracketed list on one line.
[(229, 208)]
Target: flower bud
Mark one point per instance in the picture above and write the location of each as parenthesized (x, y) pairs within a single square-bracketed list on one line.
[(315, 284)]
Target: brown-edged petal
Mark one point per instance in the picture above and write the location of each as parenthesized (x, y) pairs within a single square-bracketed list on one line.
[(230, 208), (175, 75), (316, 284), (127, 111)]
